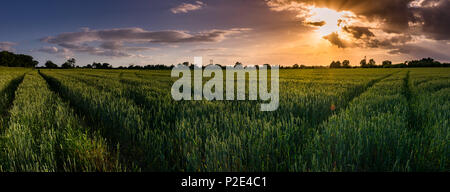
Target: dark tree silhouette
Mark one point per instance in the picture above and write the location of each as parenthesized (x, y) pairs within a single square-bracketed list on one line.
[(69, 64), (363, 63), (106, 66), (372, 63), (346, 64), (425, 62), (9, 59), (335, 64), (49, 64), (387, 64)]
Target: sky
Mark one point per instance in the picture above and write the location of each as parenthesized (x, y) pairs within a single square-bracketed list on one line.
[(253, 32)]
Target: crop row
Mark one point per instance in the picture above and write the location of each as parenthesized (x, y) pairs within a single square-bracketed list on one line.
[(44, 134)]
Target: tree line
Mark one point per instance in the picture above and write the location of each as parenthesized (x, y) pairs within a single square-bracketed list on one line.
[(9, 59), (371, 63), (71, 63), (425, 62)]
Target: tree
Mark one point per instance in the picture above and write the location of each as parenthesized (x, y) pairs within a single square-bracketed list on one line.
[(69, 64), (6, 58), (372, 63), (346, 64), (49, 64), (96, 65), (363, 63), (106, 66), (425, 62), (295, 66), (387, 64), (335, 64)]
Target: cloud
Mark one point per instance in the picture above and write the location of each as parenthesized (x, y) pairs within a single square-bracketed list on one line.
[(53, 50), (420, 52), (117, 42), (207, 49), (7, 46), (359, 32), (397, 26), (59, 52), (434, 17), (225, 55), (396, 16), (187, 7), (334, 39), (316, 24)]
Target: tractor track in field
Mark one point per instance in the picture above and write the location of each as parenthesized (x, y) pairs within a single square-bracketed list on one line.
[(10, 92), (85, 120), (367, 87), (137, 98), (54, 86), (413, 124), (89, 122), (355, 96), (318, 126)]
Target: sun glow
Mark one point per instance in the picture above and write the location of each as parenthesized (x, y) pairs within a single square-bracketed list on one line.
[(327, 20)]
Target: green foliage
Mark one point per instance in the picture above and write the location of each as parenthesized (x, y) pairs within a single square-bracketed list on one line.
[(9, 59), (50, 65), (69, 64)]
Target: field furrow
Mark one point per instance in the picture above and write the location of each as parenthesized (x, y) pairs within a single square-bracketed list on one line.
[(372, 134), (8, 85), (44, 134), (119, 120), (430, 104)]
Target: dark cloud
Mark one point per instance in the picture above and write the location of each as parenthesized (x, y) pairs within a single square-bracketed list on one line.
[(359, 32), (6, 46), (435, 16), (364, 37), (316, 24), (114, 45), (420, 52), (139, 35), (111, 41), (111, 45), (396, 15), (334, 39)]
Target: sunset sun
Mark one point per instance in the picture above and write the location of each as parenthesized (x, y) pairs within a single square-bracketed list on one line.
[(327, 21)]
